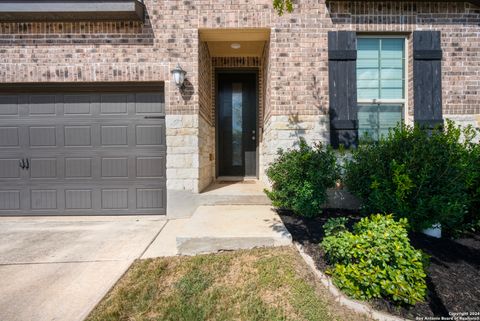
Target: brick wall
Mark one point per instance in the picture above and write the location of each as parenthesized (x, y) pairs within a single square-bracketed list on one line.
[(459, 24), (130, 51), (206, 132), (295, 65)]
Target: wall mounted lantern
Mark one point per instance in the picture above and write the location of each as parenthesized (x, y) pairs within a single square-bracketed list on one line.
[(179, 76)]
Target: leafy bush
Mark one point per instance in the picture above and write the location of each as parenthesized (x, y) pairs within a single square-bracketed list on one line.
[(416, 174), (472, 219), (377, 261), (335, 225), (300, 178)]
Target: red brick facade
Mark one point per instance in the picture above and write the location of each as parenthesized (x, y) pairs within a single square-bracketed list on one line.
[(294, 69), (131, 51)]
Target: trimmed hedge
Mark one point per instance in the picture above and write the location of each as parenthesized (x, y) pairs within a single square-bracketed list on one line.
[(376, 260), (425, 176), (300, 178)]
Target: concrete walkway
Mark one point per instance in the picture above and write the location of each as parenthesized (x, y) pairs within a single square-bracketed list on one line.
[(221, 227), (60, 268)]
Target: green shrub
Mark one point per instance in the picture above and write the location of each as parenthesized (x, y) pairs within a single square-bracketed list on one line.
[(472, 219), (300, 178), (415, 174), (335, 225), (377, 261)]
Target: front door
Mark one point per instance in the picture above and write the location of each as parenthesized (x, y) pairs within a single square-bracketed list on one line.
[(237, 125)]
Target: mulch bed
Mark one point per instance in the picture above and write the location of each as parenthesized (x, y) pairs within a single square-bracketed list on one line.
[(453, 277)]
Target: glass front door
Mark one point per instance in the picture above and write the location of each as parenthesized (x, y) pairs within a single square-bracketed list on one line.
[(236, 121)]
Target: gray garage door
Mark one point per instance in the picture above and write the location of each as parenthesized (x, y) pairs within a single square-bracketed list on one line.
[(82, 152)]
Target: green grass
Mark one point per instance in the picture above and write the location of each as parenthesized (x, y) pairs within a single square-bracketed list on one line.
[(254, 285)]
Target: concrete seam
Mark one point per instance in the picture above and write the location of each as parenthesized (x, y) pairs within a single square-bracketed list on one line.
[(124, 272), (354, 305), (153, 240), (60, 262)]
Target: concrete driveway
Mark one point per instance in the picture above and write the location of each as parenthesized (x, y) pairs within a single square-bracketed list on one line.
[(60, 268)]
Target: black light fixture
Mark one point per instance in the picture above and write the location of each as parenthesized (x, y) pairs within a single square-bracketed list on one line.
[(179, 76)]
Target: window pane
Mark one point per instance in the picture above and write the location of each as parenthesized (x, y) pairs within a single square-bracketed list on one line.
[(367, 73), (391, 93), (392, 63), (392, 48), (367, 63), (368, 48), (391, 74), (376, 120), (380, 60), (367, 93)]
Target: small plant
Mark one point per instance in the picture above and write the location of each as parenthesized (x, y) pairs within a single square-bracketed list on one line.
[(335, 225), (416, 174), (300, 178), (376, 260)]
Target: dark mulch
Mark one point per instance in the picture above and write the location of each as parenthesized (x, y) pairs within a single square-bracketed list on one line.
[(453, 277)]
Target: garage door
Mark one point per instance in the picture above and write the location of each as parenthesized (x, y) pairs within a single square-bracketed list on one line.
[(89, 152)]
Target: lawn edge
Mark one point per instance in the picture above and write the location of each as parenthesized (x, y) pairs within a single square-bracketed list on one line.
[(342, 299)]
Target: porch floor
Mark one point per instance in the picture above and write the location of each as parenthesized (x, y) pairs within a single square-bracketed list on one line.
[(221, 227), (228, 215), (247, 192), (231, 227)]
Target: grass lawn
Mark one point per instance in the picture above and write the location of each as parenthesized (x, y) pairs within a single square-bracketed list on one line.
[(262, 284)]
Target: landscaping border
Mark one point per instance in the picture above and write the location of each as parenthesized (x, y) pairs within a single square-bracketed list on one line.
[(354, 305)]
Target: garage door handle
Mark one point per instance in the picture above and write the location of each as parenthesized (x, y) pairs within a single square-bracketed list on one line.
[(27, 165), (154, 117), (21, 163)]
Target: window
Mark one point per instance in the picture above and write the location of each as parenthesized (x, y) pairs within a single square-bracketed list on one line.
[(380, 84)]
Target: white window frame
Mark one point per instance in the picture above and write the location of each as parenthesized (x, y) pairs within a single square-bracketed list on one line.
[(380, 101)]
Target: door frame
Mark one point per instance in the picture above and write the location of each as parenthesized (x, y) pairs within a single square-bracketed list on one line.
[(254, 71)]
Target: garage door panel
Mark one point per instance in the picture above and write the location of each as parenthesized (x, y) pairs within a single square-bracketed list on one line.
[(9, 168), (149, 103), (41, 136), (114, 104), (43, 168), (43, 199), (42, 105), (89, 153), (78, 136), (78, 167), (9, 105), (115, 198), (151, 167), (114, 167), (114, 135), (9, 200), (9, 136), (150, 135), (78, 104), (150, 198), (78, 199)]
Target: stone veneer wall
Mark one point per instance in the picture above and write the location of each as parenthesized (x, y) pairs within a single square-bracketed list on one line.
[(182, 152), (296, 93)]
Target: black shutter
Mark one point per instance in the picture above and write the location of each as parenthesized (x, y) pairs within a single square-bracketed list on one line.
[(427, 78), (342, 82)]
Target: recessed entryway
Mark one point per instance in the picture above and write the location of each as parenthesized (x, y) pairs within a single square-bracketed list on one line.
[(247, 42), (233, 66)]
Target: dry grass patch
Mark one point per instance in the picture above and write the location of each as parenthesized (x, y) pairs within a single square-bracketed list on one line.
[(262, 284)]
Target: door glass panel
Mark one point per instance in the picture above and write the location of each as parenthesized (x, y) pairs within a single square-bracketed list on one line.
[(237, 128)]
